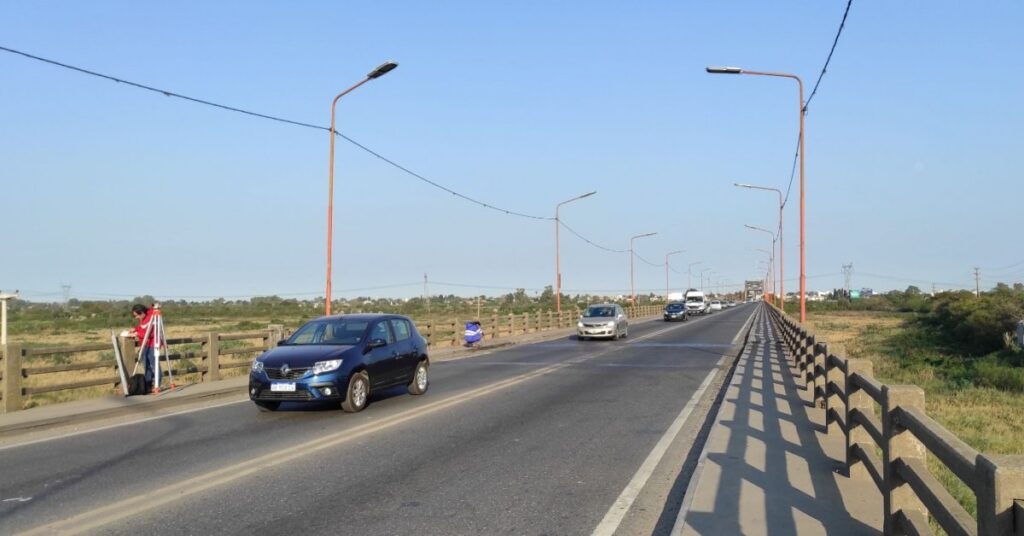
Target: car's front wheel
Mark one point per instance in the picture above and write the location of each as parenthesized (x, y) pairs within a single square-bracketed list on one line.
[(357, 394), (419, 382)]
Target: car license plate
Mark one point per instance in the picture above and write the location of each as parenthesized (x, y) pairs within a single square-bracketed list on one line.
[(283, 387)]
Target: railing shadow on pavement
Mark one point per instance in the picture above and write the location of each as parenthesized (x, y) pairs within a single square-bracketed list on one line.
[(774, 469)]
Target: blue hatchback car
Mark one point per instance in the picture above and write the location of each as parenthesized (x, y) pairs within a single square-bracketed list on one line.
[(341, 359)]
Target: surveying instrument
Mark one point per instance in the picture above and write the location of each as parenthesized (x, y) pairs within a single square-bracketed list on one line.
[(155, 333)]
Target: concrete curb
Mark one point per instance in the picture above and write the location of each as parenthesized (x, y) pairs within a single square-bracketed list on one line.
[(84, 411)]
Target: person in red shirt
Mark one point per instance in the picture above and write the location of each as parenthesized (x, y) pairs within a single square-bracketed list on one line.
[(145, 317)]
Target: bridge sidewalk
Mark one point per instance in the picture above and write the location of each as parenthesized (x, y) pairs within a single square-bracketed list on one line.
[(767, 467)]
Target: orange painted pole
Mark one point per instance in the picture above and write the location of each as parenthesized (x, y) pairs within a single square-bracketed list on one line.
[(632, 285), (803, 176), (558, 268), (376, 73)]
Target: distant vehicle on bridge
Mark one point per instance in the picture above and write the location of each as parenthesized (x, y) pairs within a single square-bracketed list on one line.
[(341, 359), (675, 311), (696, 302), (604, 320)]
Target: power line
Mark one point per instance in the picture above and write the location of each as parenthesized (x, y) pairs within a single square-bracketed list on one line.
[(824, 68), (585, 239), (168, 93), (792, 172), (814, 92), (649, 263)]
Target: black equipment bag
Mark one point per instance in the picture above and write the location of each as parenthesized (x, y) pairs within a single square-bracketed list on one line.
[(137, 385)]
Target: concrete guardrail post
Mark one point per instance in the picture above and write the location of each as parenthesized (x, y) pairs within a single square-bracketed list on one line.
[(526, 322), (857, 399), (212, 373), (511, 324), (12, 378), (806, 353), (900, 443), (1000, 481), (834, 400), (494, 326), (275, 335)]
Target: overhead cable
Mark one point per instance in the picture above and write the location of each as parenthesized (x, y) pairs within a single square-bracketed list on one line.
[(824, 68), (585, 239), (168, 93)]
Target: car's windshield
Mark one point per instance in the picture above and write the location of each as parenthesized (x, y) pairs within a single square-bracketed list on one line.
[(600, 311), (694, 299), (674, 306), (336, 331)]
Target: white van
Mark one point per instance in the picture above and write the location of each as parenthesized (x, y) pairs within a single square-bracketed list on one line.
[(696, 302)]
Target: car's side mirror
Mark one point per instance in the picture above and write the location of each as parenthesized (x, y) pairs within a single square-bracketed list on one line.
[(282, 342), (376, 343)]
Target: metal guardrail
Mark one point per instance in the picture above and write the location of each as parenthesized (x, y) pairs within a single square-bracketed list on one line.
[(905, 435), (209, 350)]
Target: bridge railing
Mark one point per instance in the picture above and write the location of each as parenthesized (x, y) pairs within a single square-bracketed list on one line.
[(889, 437), (27, 372)]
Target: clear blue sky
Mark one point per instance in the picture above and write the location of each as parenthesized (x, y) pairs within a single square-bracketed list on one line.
[(912, 157)]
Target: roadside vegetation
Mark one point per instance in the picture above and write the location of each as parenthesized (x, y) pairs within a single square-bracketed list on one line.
[(77, 322), (958, 347)]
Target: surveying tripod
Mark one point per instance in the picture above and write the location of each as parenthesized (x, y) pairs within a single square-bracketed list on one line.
[(155, 332)]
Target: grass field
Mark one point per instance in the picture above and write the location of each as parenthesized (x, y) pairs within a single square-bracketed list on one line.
[(961, 393)]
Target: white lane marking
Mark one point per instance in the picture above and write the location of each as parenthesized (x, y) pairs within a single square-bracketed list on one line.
[(621, 506), (743, 329), (118, 425), (18, 499)]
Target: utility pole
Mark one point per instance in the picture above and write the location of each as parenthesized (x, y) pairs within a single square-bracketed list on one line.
[(426, 293), (65, 292), (977, 282)]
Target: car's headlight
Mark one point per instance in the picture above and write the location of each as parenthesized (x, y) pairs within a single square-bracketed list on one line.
[(611, 324), (257, 366), (579, 324), (321, 367)]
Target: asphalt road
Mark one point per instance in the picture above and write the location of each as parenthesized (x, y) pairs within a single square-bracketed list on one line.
[(547, 438)]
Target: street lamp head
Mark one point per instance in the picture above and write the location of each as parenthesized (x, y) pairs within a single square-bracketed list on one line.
[(588, 194), (742, 185), (384, 69), (724, 70)]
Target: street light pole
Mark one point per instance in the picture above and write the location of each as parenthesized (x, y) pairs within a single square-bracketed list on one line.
[(709, 271), (380, 71), (632, 285), (689, 274), (763, 230), (558, 269), (782, 255), (803, 178), (667, 255)]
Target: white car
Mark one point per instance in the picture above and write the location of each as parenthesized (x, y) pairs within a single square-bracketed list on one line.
[(716, 305)]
